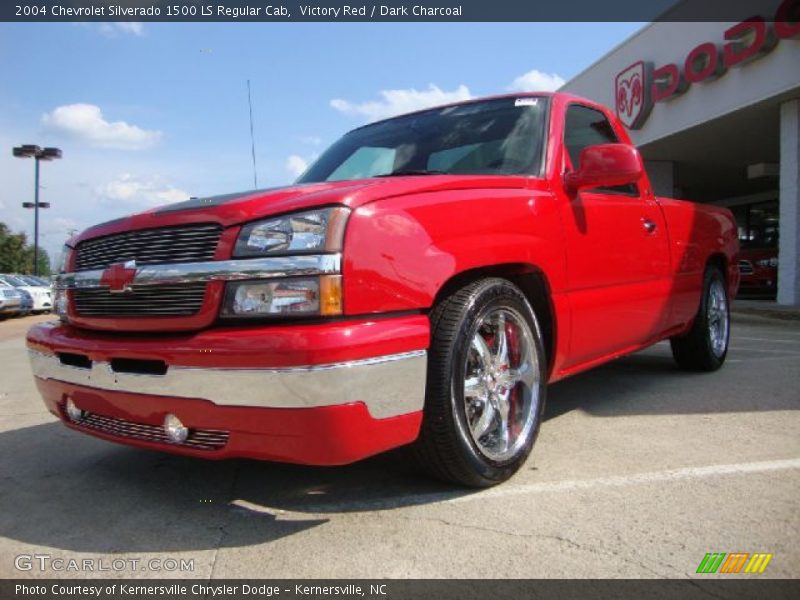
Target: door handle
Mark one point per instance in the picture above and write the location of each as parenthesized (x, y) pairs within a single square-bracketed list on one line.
[(649, 226)]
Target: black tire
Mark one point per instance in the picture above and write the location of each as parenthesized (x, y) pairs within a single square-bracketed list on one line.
[(446, 447), (697, 349)]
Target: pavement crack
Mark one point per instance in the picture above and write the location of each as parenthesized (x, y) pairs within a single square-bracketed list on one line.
[(222, 527), (544, 536), (217, 546)]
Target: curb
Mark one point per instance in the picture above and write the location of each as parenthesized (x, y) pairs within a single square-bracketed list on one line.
[(766, 313)]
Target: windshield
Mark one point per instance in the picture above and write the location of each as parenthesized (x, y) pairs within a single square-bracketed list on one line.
[(499, 137), (35, 281), (11, 280)]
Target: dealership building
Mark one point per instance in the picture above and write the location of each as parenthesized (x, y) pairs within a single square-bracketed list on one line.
[(715, 111)]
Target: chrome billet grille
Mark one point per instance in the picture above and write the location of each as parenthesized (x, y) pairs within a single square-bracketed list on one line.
[(745, 267), (190, 243), (199, 439), (145, 301)]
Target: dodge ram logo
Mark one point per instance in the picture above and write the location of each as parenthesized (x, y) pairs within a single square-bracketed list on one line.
[(632, 95), (119, 277)]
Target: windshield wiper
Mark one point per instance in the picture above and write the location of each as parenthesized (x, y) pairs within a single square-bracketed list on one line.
[(401, 172)]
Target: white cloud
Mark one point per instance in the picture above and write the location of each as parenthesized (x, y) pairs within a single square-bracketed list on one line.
[(311, 140), (537, 81), (61, 228), (85, 122), (130, 27), (139, 192), (296, 165), (395, 102)]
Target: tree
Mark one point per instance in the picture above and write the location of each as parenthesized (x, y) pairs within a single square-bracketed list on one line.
[(16, 255), (12, 250), (44, 261)]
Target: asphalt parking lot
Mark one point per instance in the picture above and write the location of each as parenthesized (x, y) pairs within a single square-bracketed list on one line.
[(640, 470)]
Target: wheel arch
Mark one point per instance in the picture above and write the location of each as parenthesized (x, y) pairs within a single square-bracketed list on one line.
[(730, 271), (718, 259), (527, 277)]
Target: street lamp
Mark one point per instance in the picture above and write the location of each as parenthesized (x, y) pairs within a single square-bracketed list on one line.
[(37, 153)]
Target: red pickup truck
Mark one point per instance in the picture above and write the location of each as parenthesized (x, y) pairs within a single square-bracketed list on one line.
[(419, 285)]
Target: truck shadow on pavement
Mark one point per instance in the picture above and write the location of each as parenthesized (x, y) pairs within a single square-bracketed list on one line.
[(650, 383), (61, 489)]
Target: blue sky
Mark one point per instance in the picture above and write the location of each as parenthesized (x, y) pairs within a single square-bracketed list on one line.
[(152, 113)]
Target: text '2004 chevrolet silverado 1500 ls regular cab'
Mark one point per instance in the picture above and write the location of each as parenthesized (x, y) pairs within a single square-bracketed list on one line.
[(420, 284)]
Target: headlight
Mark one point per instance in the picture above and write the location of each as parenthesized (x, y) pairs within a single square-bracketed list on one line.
[(302, 296), (310, 231), (60, 302), (767, 262)]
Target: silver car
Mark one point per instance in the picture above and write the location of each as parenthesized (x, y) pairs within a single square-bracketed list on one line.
[(10, 300), (41, 294)]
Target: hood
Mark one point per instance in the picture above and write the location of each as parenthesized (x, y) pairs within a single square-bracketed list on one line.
[(33, 289), (233, 209)]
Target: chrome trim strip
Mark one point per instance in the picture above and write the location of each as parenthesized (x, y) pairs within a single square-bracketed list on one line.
[(215, 270), (389, 385)]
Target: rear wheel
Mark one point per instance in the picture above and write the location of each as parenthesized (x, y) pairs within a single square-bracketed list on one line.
[(486, 385), (705, 346)]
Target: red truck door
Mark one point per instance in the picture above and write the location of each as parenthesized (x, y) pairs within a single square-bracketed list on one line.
[(617, 253)]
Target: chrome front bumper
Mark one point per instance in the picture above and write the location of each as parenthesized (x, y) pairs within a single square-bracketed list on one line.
[(389, 385)]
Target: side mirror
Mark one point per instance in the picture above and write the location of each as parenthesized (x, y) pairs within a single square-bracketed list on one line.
[(605, 165)]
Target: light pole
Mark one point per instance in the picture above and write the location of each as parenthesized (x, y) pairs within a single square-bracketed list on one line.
[(37, 153)]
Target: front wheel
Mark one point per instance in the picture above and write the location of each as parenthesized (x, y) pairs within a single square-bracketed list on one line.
[(705, 346), (486, 385)]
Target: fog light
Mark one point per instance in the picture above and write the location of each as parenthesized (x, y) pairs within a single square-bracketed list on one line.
[(176, 431), (73, 412)]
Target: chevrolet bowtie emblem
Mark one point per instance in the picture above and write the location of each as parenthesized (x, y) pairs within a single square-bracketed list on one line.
[(119, 277)]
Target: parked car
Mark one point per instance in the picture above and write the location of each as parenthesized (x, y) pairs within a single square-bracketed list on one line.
[(10, 301), (26, 303), (419, 285), (40, 294), (35, 280), (758, 268)]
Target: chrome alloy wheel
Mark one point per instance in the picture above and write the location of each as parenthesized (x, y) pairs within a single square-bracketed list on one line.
[(717, 318), (501, 387)]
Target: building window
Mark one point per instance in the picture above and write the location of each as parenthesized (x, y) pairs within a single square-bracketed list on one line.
[(758, 224)]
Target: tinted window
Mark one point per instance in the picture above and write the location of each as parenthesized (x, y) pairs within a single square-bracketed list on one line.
[(500, 137), (588, 127), (12, 281)]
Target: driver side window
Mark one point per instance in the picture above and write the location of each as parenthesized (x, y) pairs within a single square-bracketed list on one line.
[(584, 127)]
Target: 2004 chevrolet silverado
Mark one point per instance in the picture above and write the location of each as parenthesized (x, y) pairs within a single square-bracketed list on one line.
[(419, 285)]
